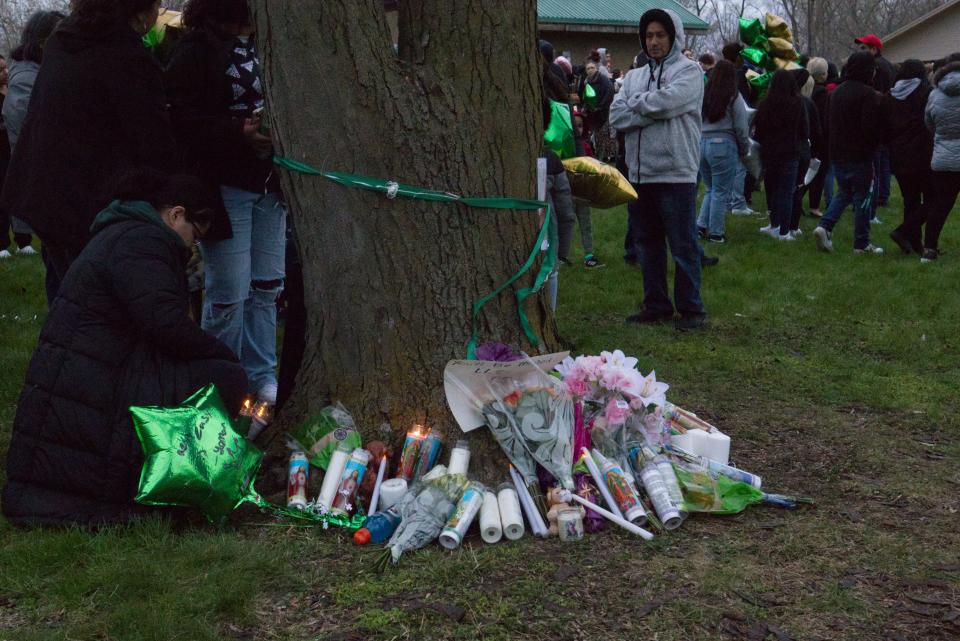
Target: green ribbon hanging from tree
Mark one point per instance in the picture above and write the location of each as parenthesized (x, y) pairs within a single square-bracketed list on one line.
[(393, 189)]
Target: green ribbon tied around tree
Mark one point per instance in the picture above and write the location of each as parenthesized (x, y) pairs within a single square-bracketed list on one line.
[(392, 190)]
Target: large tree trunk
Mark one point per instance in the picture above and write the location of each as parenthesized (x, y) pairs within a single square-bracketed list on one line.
[(390, 283)]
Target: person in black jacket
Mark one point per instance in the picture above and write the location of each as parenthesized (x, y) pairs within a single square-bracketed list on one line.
[(97, 107), (882, 82), (911, 149), (216, 94), (781, 128), (854, 129), (117, 335), (810, 147)]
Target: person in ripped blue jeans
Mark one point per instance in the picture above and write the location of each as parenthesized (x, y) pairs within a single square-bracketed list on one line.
[(216, 98)]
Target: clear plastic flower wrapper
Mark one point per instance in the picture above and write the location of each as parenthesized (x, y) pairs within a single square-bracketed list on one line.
[(424, 511), (531, 415)]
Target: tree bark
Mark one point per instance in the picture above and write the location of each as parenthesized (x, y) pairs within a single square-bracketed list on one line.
[(389, 283)]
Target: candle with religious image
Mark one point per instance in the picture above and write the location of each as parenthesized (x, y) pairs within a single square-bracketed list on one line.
[(429, 451), (410, 453), (345, 500), (297, 478), (621, 490)]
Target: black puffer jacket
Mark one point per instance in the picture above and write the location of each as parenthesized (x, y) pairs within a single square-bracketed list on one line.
[(97, 108), (117, 335)]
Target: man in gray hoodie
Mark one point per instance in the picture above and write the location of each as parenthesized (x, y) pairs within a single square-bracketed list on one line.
[(658, 110)]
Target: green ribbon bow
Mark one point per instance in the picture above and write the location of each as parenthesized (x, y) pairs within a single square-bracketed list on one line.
[(393, 189)]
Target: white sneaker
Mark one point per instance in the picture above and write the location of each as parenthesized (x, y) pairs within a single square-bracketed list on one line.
[(5, 254), (742, 212), (268, 394), (770, 230), (869, 249), (876, 221), (27, 251), (787, 236), (796, 233), (823, 238)]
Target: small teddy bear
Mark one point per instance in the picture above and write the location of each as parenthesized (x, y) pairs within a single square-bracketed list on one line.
[(555, 505)]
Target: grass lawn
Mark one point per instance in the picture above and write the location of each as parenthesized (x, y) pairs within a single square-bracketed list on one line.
[(836, 376)]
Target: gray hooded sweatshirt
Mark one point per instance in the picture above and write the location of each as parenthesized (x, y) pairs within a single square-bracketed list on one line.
[(943, 119), (658, 108), (23, 73)]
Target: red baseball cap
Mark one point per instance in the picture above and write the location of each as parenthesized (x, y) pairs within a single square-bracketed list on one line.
[(871, 41)]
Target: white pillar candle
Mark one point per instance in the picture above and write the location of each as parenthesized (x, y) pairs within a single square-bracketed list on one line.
[(331, 480), (600, 482), (510, 516), (459, 458), (537, 526), (391, 491), (490, 528), (610, 516), (375, 497)]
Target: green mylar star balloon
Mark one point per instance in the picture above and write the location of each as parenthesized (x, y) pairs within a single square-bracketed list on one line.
[(194, 457)]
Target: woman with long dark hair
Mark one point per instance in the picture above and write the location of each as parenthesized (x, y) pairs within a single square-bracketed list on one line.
[(911, 149), (97, 107), (118, 334), (780, 128), (726, 139), (216, 97), (25, 65)]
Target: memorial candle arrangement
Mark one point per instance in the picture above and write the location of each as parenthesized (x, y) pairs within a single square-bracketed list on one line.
[(634, 467)]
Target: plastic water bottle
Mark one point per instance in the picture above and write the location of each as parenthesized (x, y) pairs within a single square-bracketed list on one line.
[(378, 528)]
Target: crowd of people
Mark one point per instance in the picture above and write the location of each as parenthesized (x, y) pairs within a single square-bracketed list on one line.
[(831, 136), (147, 182)]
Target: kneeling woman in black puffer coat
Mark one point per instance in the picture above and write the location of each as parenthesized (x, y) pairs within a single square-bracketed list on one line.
[(117, 335)]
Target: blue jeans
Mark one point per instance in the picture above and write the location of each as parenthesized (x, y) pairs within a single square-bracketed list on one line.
[(244, 278), (737, 201), (718, 169), (665, 213), (853, 187), (828, 181), (881, 169), (780, 178)]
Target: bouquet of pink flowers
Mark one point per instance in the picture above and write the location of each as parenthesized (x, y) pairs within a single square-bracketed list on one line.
[(613, 393)]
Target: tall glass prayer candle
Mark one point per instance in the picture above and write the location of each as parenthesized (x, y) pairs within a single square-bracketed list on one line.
[(410, 453), (427, 457)]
